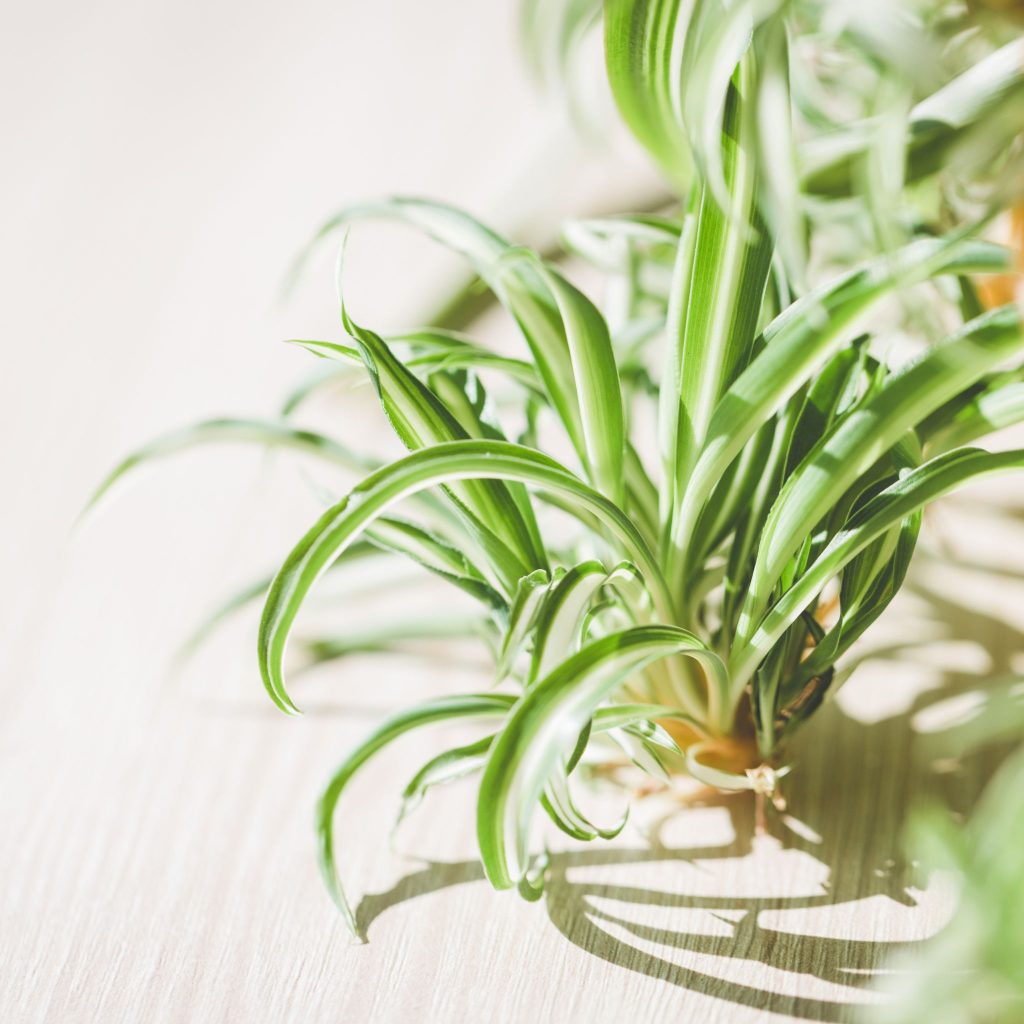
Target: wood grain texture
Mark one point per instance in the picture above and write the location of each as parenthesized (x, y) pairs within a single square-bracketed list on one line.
[(156, 843), (159, 858)]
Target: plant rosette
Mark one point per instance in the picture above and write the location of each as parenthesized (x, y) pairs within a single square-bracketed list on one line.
[(743, 454)]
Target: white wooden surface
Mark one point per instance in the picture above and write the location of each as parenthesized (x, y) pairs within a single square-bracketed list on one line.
[(155, 839)]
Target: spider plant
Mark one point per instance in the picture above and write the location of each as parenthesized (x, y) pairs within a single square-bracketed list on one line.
[(744, 455)]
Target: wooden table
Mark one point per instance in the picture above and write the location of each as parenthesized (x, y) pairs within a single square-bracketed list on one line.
[(156, 846), (159, 855)]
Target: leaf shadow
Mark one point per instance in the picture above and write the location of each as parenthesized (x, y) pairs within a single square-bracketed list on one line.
[(854, 839)]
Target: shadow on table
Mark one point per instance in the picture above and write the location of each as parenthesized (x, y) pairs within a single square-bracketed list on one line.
[(852, 832)]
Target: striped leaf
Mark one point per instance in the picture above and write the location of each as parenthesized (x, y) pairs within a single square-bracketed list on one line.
[(542, 728), (853, 446), (429, 467)]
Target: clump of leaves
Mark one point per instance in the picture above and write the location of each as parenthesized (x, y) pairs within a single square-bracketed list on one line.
[(723, 560)]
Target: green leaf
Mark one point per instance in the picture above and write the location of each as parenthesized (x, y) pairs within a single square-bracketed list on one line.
[(388, 533), (862, 607), (477, 705), (458, 762), (543, 726), (766, 485), (250, 593), (428, 467), (503, 522), (643, 53), (436, 555), (597, 391), (717, 40), (558, 803), (561, 620), (999, 405), (566, 333), (794, 345), (301, 392), (551, 31), (267, 433), (526, 603), (780, 200), (723, 261), (903, 498), (938, 125), (558, 630), (615, 716), (391, 636), (557, 627), (867, 433), (641, 495), (448, 766), (431, 349), (607, 241)]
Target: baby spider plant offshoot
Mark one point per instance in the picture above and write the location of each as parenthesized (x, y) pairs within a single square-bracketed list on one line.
[(774, 376)]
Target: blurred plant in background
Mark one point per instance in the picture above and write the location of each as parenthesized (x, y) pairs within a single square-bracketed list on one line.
[(972, 972)]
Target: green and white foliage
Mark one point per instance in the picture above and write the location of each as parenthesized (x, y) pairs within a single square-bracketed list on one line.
[(744, 448), (973, 969)]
